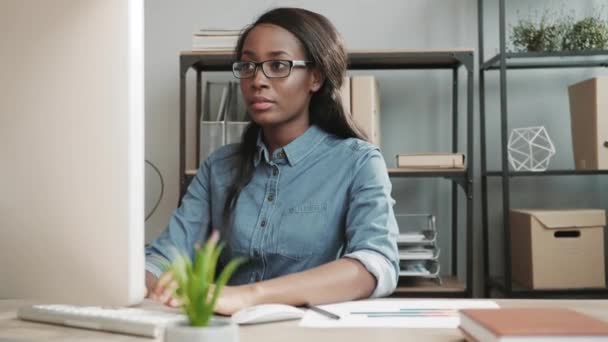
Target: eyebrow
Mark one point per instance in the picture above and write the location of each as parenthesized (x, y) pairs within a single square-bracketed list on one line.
[(252, 54)]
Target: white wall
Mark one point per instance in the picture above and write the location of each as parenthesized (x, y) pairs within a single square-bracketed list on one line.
[(416, 105)]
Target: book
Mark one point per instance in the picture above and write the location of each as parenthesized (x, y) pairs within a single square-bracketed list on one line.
[(530, 324), (431, 161), (214, 42), (345, 94), (365, 105), (216, 32)]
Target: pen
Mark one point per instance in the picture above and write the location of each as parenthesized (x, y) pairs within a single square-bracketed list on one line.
[(322, 312)]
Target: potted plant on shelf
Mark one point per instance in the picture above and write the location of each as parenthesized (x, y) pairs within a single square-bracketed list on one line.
[(590, 33), (561, 34), (198, 291), (544, 35)]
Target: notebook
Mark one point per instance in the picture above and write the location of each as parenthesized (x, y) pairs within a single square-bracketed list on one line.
[(531, 324)]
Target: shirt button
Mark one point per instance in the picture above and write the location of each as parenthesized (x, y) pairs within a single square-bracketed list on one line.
[(275, 172), (270, 198), (263, 223), (281, 155)]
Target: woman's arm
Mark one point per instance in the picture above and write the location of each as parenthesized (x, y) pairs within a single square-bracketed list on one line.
[(341, 280)]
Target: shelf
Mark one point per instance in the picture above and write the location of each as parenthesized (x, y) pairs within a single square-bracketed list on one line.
[(523, 61), (544, 60), (547, 173), (221, 60), (518, 291), (400, 172), (417, 287)]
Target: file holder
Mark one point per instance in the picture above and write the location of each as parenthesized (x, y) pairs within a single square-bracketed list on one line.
[(234, 131), (213, 136), (212, 133), (418, 250), (219, 126), (235, 125)]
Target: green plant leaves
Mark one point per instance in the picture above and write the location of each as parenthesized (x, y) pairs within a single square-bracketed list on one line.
[(196, 289), (590, 33)]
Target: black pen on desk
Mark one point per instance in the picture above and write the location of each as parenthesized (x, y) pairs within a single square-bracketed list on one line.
[(321, 311)]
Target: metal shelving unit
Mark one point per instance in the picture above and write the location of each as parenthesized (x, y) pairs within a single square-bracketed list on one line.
[(502, 62), (203, 61)]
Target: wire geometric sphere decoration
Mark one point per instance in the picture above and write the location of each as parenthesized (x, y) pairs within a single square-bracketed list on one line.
[(530, 149)]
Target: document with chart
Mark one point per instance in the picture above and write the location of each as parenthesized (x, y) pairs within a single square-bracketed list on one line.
[(405, 313)]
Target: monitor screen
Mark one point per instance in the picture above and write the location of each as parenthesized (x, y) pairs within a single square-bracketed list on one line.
[(72, 147)]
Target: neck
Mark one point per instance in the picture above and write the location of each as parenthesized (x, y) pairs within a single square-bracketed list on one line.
[(281, 135)]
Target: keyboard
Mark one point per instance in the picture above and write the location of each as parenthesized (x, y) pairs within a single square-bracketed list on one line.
[(131, 321)]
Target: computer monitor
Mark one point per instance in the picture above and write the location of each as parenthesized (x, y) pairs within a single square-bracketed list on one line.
[(72, 151)]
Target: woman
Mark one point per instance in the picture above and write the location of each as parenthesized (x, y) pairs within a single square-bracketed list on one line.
[(303, 197)]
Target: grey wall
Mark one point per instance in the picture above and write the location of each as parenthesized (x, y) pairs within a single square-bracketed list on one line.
[(416, 105)]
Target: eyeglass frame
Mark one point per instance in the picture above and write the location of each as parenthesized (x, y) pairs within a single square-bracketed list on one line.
[(292, 64)]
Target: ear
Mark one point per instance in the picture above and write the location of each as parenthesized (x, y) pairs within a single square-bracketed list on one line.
[(316, 81)]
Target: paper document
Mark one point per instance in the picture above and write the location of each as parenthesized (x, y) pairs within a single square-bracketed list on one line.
[(395, 313)]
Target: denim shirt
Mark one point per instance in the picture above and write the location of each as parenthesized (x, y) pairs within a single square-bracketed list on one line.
[(315, 200)]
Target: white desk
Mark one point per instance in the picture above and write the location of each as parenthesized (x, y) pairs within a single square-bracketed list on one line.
[(13, 330)]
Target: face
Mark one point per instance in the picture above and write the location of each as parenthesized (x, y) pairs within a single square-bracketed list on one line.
[(277, 102)]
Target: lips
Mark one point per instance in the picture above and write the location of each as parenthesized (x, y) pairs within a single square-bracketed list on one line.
[(260, 103)]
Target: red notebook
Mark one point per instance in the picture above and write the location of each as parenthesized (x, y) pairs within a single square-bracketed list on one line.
[(531, 324)]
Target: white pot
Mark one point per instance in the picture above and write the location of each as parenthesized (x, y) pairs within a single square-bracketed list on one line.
[(218, 330)]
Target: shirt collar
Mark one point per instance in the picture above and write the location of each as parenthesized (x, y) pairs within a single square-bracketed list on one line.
[(295, 150)]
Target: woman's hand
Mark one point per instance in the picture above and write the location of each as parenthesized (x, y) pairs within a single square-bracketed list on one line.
[(162, 289), (234, 298), (231, 299)]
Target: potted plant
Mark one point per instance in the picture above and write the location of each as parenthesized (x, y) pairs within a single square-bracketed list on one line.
[(198, 291), (590, 33), (544, 35), (561, 34)]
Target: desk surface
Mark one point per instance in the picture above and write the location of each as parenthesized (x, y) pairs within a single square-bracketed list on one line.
[(12, 329)]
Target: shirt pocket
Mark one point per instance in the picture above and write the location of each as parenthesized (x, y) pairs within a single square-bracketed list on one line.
[(301, 230)]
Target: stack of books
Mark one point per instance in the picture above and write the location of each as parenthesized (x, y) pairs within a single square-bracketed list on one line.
[(212, 39), (431, 161), (418, 250)]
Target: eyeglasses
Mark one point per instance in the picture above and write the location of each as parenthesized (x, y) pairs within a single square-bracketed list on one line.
[(274, 68)]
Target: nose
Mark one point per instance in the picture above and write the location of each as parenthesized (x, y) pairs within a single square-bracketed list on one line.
[(259, 79)]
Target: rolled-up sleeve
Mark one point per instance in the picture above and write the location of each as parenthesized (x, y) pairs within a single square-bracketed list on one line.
[(188, 225), (371, 228)]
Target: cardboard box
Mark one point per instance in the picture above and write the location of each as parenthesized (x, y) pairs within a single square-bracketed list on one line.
[(558, 249), (589, 118)]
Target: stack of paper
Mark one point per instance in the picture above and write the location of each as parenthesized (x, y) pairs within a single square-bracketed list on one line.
[(212, 39), (406, 313)]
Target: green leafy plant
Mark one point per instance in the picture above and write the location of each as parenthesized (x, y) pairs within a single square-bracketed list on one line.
[(557, 33), (198, 290), (590, 33), (544, 35)]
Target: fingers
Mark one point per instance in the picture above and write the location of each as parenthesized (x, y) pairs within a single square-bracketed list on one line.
[(164, 290), (174, 303), (164, 280), (167, 293)]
